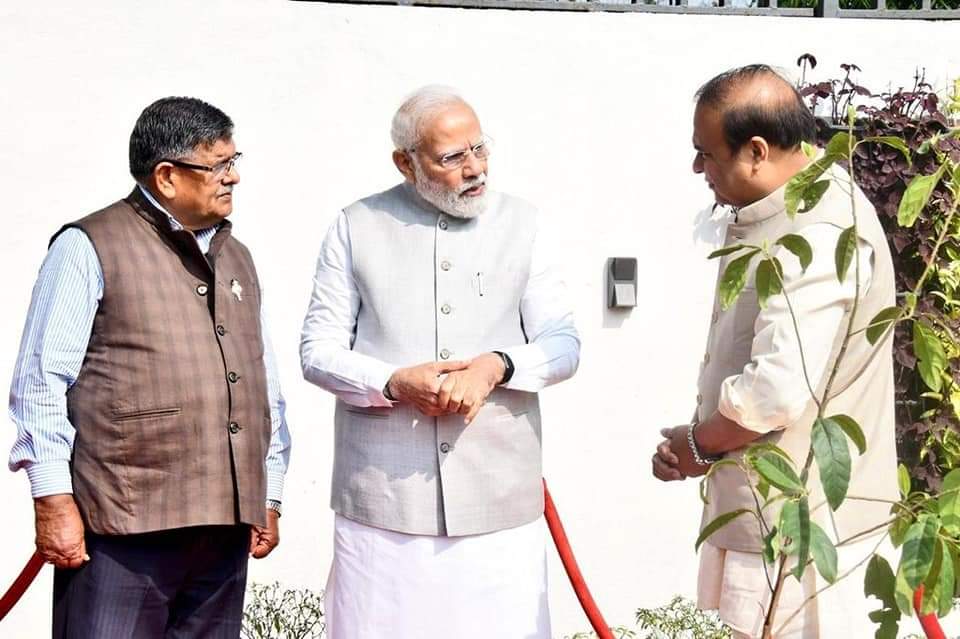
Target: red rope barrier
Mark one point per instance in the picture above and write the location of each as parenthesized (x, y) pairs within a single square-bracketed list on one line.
[(20, 585), (573, 571), (929, 622)]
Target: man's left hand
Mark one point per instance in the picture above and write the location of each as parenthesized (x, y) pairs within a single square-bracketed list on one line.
[(465, 391), (673, 459), (264, 540)]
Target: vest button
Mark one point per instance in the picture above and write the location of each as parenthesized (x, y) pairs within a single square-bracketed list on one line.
[(233, 377), (443, 225), (444, 354), (714, 317), (706, 358), (444, 447), (699, 399), (201, 289), (221, 331), (445, 265), (234, 428), (445, 309)]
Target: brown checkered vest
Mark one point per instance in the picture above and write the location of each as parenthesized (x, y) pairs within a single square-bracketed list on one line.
[(170, 407)]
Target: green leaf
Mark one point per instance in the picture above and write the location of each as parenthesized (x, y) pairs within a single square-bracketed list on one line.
[(813, 194), (929, 351), (726, 250), (795, 533), (903, 480), (839, 145), (713, 467), (846, 248), (892, 141), (852, 430), (939, 584), (734, 278), (717, 524), (899, 527), (903, 592), (800, 247), (880, 322), (948, 503), (918, 549), (833, 459), (799, 183), (880, 582), (778, 472), (763, 488), (824, 553), (771, 546), (769, 280), (917, 195)]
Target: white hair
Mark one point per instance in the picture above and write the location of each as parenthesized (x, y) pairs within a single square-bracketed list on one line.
[(417, 109)]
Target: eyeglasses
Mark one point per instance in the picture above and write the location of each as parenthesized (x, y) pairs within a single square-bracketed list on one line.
[(218, 170), (456, 159)]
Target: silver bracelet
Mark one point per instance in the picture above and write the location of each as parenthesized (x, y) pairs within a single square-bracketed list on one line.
[(697, 457)]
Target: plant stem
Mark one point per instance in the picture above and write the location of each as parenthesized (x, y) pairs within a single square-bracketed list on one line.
[(775, 598)]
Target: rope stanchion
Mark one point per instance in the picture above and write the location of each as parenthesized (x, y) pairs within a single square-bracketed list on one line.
[(573, 571), (929, 622), (20, 585)]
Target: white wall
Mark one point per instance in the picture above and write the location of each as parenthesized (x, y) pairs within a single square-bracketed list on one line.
[(591, 117)]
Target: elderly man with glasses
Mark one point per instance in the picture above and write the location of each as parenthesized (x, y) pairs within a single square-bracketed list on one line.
[(435, 319), (150, 420)]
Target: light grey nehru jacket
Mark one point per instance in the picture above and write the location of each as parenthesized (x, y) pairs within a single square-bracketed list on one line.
[(435, 287)]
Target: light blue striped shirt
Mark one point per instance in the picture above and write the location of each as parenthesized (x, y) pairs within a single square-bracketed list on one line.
[(65, 300)]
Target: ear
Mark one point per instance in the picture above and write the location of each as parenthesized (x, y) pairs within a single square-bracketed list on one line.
[(759, 150), (164, 181), (404, 164)]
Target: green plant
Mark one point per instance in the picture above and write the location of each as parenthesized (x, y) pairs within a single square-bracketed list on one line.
[(926, 526), (274, 612), (680, 619)]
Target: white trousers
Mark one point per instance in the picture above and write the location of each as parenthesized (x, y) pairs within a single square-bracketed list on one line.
[(734, 583), (388, 585)]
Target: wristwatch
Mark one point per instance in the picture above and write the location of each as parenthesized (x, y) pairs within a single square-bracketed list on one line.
[(274, 505), (508, 368)]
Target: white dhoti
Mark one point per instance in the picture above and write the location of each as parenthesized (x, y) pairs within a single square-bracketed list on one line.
[(388, 585), (734, 584)]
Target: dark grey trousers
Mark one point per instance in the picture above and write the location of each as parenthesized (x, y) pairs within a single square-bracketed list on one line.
[(186, 583)]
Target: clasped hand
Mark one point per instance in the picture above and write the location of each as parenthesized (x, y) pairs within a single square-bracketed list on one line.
[(673, 460), (447, 388)]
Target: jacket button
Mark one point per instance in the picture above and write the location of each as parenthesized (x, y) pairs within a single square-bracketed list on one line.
[(445, 265), (233, 377), (444, 447), (443, 225), (201, 289), (221, 331), (714, 317), (234, 428), (706, 358), (699, 399), (445, 309), (444, 354)]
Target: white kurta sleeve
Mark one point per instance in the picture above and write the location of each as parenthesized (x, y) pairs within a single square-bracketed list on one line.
[(771, 392), (552, 352), (330, 326)]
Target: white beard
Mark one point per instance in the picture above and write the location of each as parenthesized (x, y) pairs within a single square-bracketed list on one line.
[(450, 201)]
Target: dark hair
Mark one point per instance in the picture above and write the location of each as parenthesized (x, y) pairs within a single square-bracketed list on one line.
[(783, 122), (171, 128)]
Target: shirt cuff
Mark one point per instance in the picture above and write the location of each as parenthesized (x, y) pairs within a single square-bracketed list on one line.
[(50, 478), (377, 382), (275, 485), (732, 406)]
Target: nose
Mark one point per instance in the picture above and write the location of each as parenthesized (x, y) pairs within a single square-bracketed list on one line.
[(232, 176), (698, 163), (473, 166)]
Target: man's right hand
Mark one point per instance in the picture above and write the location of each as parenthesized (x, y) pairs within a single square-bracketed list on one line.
[(420, 385), (60, 531)]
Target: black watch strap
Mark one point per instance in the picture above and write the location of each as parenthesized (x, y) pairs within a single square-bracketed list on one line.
[(508, 368)]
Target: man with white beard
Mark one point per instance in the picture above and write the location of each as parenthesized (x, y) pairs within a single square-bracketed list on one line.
[(435, 319)]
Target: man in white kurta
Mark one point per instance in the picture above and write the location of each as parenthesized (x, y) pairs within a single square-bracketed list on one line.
[(436, 316), (755, 383)]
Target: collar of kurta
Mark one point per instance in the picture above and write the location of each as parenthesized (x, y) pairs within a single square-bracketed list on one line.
[(764, 209)]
